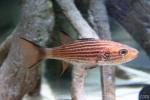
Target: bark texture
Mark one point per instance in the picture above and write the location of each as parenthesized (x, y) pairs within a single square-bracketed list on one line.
[(16, 79), (78, 83)]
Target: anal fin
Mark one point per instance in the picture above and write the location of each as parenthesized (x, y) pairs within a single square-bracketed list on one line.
[(65, 66)]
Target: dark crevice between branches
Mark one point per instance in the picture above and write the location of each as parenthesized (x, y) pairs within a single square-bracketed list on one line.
[(134, 16)]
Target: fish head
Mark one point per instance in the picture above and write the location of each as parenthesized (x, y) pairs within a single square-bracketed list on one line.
[(115, 53)]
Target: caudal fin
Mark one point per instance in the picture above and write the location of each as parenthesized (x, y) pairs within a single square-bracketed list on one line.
[(32, 53)]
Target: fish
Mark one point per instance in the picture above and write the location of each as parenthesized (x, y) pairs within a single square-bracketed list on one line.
[(86, 51)]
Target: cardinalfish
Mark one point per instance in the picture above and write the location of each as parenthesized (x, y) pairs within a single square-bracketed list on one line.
[(82, 51)]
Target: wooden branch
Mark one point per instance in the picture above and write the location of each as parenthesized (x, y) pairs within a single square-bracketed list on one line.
[(134, 16), (76, 19), (78, 82), (99, 20), (85, 31), (108, 82), (16, 79)]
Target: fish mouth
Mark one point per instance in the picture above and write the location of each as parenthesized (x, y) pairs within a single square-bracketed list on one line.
[(134, 54)]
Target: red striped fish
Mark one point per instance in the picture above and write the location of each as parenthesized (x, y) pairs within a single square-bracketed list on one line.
[(83, 51), (91, 51)]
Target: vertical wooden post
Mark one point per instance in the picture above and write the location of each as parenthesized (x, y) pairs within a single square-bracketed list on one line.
[(16, 78), (107, 80), (99, 20), (85, 31)]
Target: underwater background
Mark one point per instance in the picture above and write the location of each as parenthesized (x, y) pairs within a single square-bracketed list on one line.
[(128, 84)]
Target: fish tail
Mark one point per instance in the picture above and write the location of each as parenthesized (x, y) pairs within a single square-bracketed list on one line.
[(42, 53), (32, 52)]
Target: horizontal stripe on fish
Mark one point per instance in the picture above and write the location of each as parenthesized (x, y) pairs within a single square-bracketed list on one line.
[(83, 48), (88, 43), (80, 55), (79, 51), (82, 60), (91, 57)]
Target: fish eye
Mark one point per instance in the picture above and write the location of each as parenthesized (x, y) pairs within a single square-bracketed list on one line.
[(123, 52)]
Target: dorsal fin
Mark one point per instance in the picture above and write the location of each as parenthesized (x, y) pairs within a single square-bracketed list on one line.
[(86, 39), (65, 38)]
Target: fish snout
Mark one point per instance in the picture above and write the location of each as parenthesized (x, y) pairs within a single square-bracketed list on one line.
[(134, 53)]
